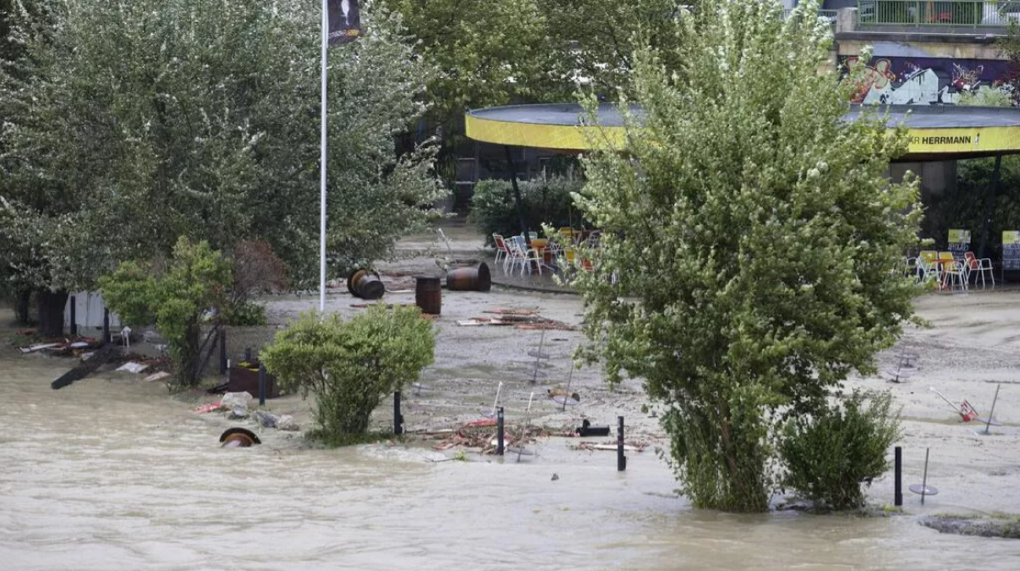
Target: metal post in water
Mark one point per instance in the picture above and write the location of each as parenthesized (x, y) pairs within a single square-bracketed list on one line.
[(106, 326), (74, 316), (247, 355), (398, 419), (499, 432), (621, 460), (924, 482), (988, 423), (224, 365), (898, 475), (569, 378), (262, 384)]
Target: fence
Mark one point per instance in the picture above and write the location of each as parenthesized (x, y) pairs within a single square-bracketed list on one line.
[(240, 340), (829, 15), (958, 13)]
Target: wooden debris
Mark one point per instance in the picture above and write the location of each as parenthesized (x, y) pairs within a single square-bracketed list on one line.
[(632, 446)]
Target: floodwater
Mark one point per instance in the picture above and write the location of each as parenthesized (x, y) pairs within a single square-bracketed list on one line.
[(111, 474)]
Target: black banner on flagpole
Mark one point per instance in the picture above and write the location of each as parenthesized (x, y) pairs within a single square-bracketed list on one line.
[(344, 21)]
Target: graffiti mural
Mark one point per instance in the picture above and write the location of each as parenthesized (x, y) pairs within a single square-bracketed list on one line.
[(925, 81)]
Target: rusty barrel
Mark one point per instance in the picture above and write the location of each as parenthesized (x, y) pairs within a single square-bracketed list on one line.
[(428, 294), (365, 284), (469, 279)]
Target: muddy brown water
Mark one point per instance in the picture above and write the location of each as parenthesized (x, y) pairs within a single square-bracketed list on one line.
[(112, 474)]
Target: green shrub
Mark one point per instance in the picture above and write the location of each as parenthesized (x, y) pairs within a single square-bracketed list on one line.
[(831, 456), (245, 314), (350, 365), (194, 282), (493, 209)]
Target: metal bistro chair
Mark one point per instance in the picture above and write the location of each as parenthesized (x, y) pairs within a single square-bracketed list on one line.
[(527, 256), (501, 249), (954, 275), (981, 266)]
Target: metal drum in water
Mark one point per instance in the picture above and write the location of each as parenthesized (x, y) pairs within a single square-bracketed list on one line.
[(428, 294), (366, 285), (469, 279)]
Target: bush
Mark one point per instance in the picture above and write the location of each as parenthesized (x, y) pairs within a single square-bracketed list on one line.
[(493, 209), (194, 282), (350, 365), (832, 455)]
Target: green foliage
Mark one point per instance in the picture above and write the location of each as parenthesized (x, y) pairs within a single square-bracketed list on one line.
[(350, 365), (550, 202), (833, 453), (985, 96), (487, 52), (964, 205), (1009, 48), (136, 123), (245, 313), (194, 282), (750, 242), (594, 41)]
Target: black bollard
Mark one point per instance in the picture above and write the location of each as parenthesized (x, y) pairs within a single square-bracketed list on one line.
[(223, 352), (898, 478), (398, 419), (621, 460), (262, 385), (74, 317), (106, 326), (247, 354), (499, 432)]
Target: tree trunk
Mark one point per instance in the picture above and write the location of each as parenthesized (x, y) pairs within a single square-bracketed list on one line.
[(22, 305), (189, 356), (51, 312)]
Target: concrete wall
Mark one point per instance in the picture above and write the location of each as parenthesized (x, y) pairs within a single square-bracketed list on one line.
[(921, 66)]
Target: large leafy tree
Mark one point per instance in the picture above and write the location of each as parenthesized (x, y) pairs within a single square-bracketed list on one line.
[(751, 241), (128, 125), (487, 52), (594, 41)]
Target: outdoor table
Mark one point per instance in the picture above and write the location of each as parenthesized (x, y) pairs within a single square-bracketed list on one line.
[(541, 245)]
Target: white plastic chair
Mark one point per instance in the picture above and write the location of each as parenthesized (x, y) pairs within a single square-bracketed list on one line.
[(501, 249), (955, 276), (980, 266)]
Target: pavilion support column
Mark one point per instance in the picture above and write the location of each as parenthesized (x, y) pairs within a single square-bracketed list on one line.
[(990, 206), (517, 194)]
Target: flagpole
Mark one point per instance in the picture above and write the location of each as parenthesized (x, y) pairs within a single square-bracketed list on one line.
[(322, 165)]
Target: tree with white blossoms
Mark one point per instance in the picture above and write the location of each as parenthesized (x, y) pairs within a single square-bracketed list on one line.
[(749, 260), (127, 125)]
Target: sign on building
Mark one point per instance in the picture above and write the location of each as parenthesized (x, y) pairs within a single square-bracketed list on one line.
[(959, 242), (1011, 250)]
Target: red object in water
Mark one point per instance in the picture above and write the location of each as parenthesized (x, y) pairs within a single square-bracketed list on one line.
[(209, 407)]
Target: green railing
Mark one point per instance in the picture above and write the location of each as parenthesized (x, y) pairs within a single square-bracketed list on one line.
[(829, 15), (956, 13)]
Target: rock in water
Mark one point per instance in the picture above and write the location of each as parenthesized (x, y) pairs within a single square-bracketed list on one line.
[(103, 355)]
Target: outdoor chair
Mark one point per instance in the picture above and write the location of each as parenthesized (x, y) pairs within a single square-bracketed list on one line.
[(501, 249), (954, 275), (514, 254), (525, 256), (982, 266), (929, 266)]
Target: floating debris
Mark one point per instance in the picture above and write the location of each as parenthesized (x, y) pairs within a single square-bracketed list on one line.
[(132, 367), (519, 319), (632, 446), (157, 377)]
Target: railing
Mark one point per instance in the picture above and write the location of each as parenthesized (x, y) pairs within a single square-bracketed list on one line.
[(829, 15), (955, 13)]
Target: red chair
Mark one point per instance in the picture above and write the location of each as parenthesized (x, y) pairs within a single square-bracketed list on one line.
[(982, 266)]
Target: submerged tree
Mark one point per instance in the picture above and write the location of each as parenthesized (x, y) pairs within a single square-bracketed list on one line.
[(751, 242), (127, 125)]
